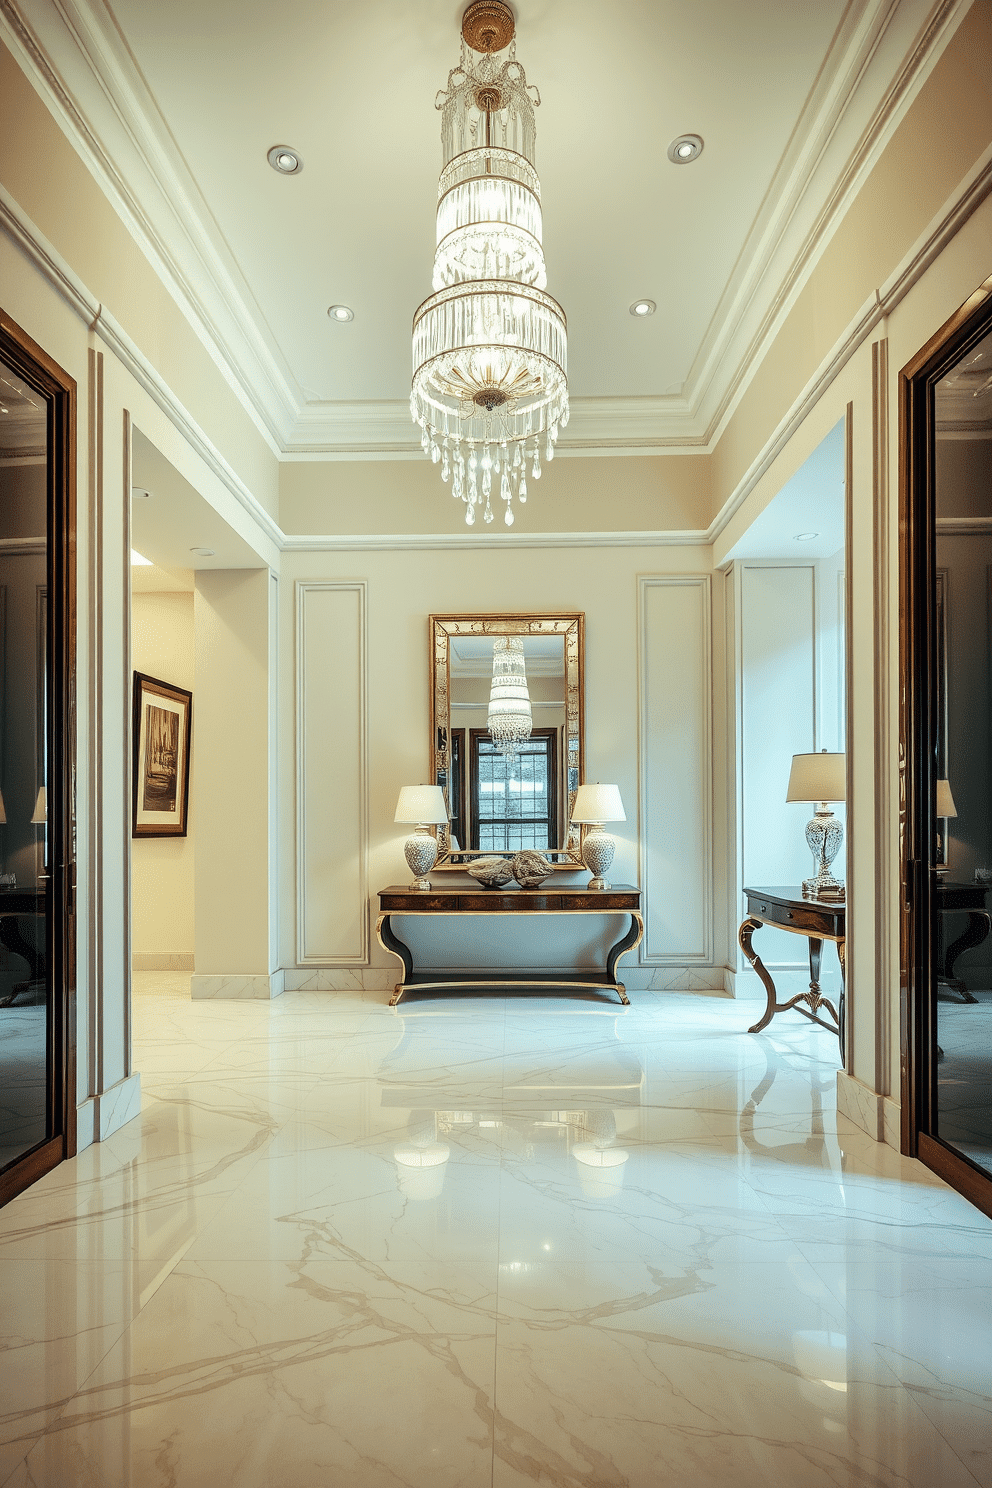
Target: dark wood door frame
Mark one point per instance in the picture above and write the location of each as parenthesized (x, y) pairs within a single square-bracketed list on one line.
[(40, 372), (918, 734)]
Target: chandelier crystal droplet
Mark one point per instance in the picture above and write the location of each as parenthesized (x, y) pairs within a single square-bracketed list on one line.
[(510, 717), (489, 389)]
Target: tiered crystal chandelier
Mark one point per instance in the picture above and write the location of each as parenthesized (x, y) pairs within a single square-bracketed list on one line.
[(510, 718), (489, 388)]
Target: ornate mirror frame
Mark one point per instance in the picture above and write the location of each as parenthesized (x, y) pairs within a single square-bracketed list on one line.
[(570, 625)]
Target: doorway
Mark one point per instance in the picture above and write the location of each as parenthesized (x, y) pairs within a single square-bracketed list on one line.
[(946, 723), (37, 730)]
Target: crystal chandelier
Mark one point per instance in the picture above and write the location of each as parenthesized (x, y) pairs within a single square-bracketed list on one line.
[(489, 389), (510, 717)]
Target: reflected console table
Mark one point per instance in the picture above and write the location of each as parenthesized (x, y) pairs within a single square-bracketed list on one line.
[(817, 919), (463, 901)]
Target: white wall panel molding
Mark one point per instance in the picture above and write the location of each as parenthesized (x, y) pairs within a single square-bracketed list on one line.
[(332, 773), (470, 541), (965, 201), (675, 768), (263, 533)]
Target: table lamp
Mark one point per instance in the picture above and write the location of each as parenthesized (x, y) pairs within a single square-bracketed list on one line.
[(945, 808), (595, 804), (424, 806), (820, 778)]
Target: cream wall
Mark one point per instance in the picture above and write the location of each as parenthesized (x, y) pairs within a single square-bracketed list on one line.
[(162, 867), (354, 728)]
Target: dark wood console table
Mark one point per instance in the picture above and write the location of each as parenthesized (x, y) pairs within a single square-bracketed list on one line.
[(818, 920), (960, 898), (465, 900)]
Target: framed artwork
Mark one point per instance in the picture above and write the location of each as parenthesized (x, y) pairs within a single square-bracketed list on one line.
[(161, 730)]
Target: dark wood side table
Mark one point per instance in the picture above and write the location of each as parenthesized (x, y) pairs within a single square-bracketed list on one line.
[(818, 920), (461, 901), (960, 898), (13, 904)]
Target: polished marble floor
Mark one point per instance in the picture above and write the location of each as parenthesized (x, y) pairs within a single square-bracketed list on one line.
[(493, 1241)]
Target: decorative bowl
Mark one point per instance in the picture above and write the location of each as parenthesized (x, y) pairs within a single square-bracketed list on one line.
[(492, 873), (530, 868)]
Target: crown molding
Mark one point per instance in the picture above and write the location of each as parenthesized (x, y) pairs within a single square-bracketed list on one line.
[(80, 64), (511, 541)]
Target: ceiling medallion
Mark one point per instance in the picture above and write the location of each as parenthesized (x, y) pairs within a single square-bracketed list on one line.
[(489, 385)]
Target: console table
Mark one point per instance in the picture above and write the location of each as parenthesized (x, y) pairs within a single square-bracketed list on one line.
[(818, 920), (13, 904), (471, 900)]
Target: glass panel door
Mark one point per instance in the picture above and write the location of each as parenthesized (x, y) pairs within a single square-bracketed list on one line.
[(962, 943), (27, 1025)]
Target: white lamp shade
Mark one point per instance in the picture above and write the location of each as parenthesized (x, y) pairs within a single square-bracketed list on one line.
[(945, 801), (40, 808), (817, 777), (423, 804), (598, 803)]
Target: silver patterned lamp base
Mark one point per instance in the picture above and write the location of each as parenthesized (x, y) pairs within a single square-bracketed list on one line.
[(420, 851), (824, 834), (598, 848)]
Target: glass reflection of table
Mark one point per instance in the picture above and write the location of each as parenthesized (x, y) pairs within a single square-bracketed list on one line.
[(15, 903)]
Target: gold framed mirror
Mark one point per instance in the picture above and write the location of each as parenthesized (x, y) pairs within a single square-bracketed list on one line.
[(500, 801)]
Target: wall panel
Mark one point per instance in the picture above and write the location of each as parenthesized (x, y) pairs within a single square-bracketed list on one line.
[(332, 774), (676, 769)]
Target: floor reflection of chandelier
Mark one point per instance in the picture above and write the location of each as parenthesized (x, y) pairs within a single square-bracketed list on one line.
[(510, 718), (489, 389)]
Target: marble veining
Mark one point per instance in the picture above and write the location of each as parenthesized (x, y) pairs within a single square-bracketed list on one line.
[(486, 1242)]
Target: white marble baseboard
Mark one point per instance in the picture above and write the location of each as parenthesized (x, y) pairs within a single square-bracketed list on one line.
[(892, 1122), (236, 986), (710, 980), (860, 1105), (162, 961), (101, 1115), (342, 979)]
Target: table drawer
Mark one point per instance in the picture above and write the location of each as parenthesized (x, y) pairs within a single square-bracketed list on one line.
[(804, 918)]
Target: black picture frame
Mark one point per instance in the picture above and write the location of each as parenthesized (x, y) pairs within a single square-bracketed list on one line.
[(161, 736)]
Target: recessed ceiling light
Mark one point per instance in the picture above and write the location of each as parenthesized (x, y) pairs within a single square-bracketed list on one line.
[(340, 312), (203, 552), (686, 148), (139, 493), (286, 161), (641, 308), (138, 562), (805, 536)]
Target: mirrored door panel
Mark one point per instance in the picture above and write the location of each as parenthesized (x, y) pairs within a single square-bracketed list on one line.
[(962, 944), (26, 1004)]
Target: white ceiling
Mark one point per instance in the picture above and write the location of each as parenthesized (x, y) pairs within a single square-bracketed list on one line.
[(172, 520), (181, 102), (810, 502), (472, 656)]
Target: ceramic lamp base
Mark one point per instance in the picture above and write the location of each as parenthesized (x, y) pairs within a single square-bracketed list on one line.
[(598, 848), (420, 851)]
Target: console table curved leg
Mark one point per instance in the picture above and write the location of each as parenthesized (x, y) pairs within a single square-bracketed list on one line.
[(979, 924), (630, 942), (392, 943), (744, 934), (842, 958)]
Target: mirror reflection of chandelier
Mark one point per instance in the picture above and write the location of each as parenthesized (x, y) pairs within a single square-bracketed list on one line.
[(510, 717), (489, 387)]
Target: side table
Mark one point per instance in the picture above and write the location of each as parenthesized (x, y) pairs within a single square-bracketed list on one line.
[(818, 920)]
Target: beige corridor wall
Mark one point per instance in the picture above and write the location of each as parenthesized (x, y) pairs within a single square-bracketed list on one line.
[(374, 738), (162, 867)]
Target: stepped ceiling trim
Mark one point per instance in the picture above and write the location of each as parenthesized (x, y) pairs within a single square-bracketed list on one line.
[(79, 61)]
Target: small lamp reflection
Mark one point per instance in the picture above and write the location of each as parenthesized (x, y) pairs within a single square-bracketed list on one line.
[(421, 1162), (40, 815), (601, 1165)]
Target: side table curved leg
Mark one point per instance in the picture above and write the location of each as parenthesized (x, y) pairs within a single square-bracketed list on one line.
[(392, 943), (841, 1014), (629, 942), (744, 934), (979, 925)]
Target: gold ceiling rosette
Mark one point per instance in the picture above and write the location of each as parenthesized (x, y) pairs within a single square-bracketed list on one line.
[(489, 390)]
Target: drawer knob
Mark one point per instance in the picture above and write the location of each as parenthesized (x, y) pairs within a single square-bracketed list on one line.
[(763, 908), (788, 914)]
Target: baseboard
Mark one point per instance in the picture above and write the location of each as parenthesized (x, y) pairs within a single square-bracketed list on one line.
[(744, 980), (342, 979), (236, 986), (860, 1104), (162, 961), (892, 1123), (101, 1115), (711, 981)]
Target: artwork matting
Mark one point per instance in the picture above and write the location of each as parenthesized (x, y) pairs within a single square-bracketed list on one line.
[(161, 732)]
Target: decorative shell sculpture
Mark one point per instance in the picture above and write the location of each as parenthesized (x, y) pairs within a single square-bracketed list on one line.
[(530, 869), (492, 872)]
